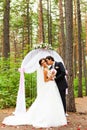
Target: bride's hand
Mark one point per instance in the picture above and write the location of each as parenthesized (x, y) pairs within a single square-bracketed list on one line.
[(51, 78)]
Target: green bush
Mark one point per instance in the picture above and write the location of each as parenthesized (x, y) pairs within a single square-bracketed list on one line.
[(76, 84), (9, 84), (76, 87)]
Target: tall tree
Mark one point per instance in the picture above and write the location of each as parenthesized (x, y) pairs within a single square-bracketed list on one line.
[(69, 54), (28, 24), (75, 41), (84, 66), (85, 52), (6, 43), (49, 18), (62, 29), (40, 23), (79, 48)]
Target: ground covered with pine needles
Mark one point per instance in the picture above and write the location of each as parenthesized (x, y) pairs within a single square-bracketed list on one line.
[(76, 121)]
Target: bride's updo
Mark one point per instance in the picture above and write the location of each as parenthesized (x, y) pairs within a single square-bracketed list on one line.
[(40, 61)]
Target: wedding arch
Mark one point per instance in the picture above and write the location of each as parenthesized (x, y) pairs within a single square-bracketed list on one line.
[(30, 64)]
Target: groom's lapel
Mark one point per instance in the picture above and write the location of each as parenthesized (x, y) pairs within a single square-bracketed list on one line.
[(56, 66)]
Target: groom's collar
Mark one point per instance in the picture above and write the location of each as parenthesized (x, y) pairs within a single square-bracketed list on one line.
[(53, 63)]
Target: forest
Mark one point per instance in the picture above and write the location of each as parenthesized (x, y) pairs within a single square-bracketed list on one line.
[(27, 23)]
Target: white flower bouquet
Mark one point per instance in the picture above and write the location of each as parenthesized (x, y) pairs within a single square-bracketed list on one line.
[(43, 46), (52, 73)]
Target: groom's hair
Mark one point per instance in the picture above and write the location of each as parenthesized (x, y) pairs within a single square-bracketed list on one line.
[(50, 58)]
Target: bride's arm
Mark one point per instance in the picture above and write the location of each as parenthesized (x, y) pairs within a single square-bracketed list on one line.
[(46, 78)]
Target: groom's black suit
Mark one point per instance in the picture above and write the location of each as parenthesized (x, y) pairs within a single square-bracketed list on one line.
[(61, 81)]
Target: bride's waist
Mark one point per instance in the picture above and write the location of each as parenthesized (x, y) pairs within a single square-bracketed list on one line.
[(51, 82)]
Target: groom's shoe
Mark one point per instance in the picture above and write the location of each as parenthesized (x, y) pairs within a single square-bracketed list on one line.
[(67, 114)]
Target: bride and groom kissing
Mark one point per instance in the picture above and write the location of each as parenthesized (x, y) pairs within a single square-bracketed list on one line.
[(49, 107), (59, 76)]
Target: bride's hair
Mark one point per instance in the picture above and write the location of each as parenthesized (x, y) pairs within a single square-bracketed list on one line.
[(40, 61)]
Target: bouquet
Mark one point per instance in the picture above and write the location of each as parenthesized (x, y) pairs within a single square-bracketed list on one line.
[(52, 73)]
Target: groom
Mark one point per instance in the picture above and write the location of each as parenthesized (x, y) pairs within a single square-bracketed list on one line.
[(60, 78)]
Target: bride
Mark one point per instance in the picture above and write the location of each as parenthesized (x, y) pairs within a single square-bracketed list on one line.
[(47, 109)]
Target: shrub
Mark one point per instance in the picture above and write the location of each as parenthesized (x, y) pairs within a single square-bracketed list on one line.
[(9, 84)]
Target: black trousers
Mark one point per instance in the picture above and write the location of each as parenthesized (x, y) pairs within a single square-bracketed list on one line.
[(63, 97)]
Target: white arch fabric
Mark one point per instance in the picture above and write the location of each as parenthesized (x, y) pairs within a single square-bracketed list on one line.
[(31, 60), (29, 65)]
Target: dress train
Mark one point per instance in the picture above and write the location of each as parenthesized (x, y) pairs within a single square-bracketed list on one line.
[(46, 111)]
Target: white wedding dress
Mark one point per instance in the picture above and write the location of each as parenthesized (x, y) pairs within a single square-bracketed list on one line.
[(47, 109)]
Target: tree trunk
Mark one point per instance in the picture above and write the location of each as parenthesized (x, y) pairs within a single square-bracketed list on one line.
[(28, 25), (6, 44), (40, 23), (75, 49), (69, 54), (85, 55), (62, 30), (49, 18), (84, 66), (79, 49)]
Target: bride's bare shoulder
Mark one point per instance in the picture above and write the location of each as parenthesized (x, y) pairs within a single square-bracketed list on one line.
[(46, 69)]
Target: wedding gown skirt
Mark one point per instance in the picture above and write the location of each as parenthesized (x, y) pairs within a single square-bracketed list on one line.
[(46, 111)]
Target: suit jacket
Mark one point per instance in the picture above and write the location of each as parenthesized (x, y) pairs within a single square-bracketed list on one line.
[(60, 76)]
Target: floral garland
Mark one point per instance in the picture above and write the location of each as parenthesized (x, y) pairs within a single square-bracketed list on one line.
[(43, 46)]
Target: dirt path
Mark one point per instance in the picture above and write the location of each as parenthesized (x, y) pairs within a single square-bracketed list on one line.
[(76, 121)]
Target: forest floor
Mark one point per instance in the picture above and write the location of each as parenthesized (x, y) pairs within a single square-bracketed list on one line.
[(76, 121)]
